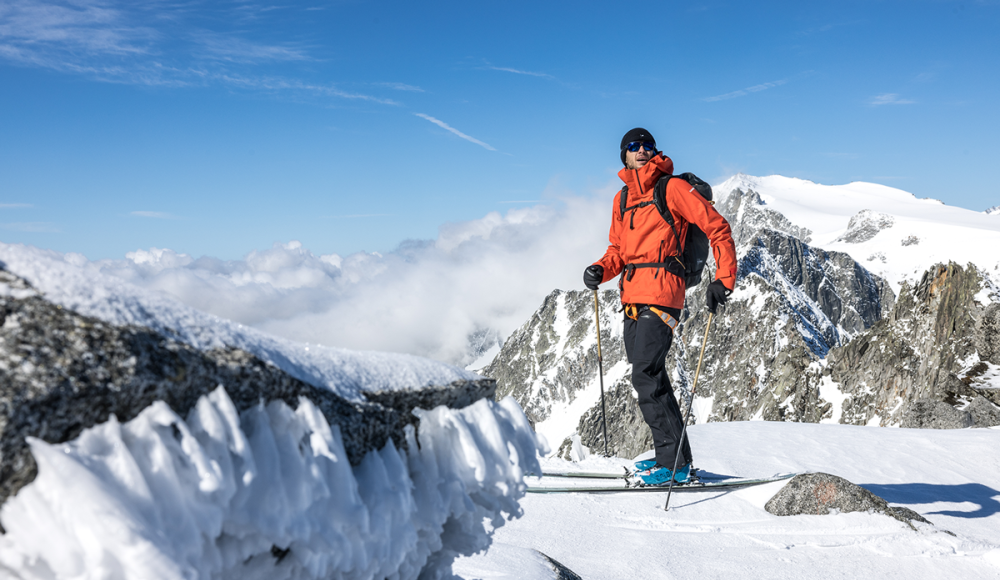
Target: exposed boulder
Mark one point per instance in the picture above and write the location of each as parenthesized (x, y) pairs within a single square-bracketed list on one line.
[(821, 493), (61, 372), (984, 413), (932, 414)]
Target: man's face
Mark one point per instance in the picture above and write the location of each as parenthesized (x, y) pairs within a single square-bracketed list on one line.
[(636, 159)]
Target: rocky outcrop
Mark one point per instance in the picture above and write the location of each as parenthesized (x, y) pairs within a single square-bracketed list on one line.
[(822, 493), (61, 373), (865, 225)]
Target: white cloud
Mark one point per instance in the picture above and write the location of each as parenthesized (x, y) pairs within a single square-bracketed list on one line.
[(746, 91), (889, 99), (240, 50), (400, 87), (426, 297), (448, 127), (148, 44), (33, 227), (520, 72), (154, 214)]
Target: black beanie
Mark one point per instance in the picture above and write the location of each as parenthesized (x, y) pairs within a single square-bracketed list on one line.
[(637, 134)]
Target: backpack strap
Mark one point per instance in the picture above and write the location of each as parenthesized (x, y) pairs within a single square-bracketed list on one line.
[(660, 199)]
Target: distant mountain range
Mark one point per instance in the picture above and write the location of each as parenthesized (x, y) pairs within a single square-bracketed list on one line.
[(852, 302)]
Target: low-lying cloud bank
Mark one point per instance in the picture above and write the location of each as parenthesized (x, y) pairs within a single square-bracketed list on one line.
[(436, 298)]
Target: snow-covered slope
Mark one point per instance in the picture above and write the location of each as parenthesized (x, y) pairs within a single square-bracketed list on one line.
[(895, 235), (71, 281), (949, 477)]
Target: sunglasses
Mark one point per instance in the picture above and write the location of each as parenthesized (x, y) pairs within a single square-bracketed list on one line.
[(634, 146)]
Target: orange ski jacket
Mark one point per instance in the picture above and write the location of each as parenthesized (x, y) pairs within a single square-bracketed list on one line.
[(645, 237)]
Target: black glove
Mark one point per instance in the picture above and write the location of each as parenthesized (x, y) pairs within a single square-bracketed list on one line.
[(717, 294), (593, 276)]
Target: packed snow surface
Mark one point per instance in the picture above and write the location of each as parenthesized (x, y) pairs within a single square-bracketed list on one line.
[(915, 233), (72, 281), (950, 477), (266, 494)]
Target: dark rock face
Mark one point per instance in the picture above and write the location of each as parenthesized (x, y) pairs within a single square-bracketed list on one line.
[(628, 434), (61, 373), (748, 214), (931, 414), (553, 355), (917, 352), (764, 350), (988, 334), (819, 493)]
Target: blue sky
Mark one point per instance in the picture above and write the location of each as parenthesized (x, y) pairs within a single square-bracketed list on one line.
[(218, 128)]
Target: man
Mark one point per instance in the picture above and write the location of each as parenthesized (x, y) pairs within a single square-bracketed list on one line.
[(644, 249)]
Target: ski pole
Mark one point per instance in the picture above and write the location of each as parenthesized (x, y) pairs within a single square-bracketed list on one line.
[(680, 444), (600, 367)]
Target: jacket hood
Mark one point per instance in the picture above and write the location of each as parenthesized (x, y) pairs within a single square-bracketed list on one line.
[(641, 181)]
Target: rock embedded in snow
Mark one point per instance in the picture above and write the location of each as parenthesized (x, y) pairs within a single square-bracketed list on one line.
[(932, 414), (822, 493), (61, 373), (865, 225), (561, 571)]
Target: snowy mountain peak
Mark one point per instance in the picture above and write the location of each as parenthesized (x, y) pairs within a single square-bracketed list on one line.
[(995, 210)]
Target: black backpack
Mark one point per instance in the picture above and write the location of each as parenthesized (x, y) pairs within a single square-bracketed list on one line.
[(690, 260)]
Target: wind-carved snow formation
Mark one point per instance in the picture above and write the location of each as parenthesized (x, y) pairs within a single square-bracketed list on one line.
[(266, 494)]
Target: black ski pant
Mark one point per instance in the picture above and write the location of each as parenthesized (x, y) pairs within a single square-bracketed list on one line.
[(647, 341)]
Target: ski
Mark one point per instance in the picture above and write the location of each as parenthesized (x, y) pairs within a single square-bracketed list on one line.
[(704, 484), (588, 474), (625, 474)]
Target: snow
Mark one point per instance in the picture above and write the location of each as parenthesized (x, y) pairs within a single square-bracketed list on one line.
[(943, 233), (266, 494), (484, 360), (73, 282), (943, 475)]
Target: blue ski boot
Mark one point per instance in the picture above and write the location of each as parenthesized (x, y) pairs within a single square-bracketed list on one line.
[(645, 464), (659, 475)]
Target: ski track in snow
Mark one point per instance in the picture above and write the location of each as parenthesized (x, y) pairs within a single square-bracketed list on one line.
[(943, 475)]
